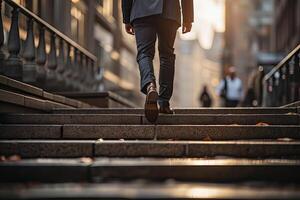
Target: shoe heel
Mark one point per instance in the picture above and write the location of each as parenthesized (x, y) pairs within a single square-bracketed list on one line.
[(151, 107)]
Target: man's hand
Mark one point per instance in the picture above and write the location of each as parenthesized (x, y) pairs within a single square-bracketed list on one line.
[(129, 29), (186, 27)]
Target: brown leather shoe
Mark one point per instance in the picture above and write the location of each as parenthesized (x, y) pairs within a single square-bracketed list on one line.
[(151, 108), (166, 110)]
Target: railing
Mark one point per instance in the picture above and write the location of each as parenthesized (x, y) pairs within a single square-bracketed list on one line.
[(67, 66), (282, 84)]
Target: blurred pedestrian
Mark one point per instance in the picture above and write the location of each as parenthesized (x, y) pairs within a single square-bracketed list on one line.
[(231, 89), (205, 98), (150, 21)]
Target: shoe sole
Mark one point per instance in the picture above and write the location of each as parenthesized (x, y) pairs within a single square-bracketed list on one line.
[(151, 108)]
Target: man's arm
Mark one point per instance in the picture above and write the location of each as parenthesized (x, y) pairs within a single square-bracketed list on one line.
[(220, 87), (188, 15), (187, 11), (126, 9)]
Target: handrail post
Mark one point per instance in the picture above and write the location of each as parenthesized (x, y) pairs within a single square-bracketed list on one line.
[(292, 79), (94, 75), (13, 66), (81, 68), (2, 55), (87, 71), (61, 58), (281, 88), (80, 72), (288, 89), (297, 76), (52, 57), (60, 69), (68, 64), (91, 73), (68, 69), (76, 73), (29, 67), (51, 77), (41, 57), (75, 65)]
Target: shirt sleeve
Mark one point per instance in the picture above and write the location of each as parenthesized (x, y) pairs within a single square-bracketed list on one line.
[(220, 87), (187, 11), (126, 9)]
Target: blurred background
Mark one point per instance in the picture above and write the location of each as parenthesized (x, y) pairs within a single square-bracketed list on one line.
[(252, 35)]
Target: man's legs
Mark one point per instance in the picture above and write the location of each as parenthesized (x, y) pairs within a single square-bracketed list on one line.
[(145, 33), (167, 30)]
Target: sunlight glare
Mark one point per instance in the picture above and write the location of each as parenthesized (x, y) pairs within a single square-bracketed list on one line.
[(209, 18)]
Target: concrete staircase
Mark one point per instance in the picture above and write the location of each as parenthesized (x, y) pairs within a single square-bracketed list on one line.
[(251, 153)]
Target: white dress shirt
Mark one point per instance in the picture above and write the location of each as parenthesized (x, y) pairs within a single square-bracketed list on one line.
[(234, 88)]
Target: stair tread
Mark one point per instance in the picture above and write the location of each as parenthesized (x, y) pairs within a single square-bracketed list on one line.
[(160, 132), (149, 191), (152, 162), (266, 142), (129, 119), (105, 169), (143, 148), (180, 111)]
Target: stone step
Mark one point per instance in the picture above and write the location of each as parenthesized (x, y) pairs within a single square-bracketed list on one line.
[(179, 111), (172, 191), (184, 132), (16, 131), (99, 170), (148, 132), (228, 119), (99, 111), (221, 119), (100, 99), (70, 119), (26, 95), (27, 102), (47, 148), (119, 148), (237, 110)]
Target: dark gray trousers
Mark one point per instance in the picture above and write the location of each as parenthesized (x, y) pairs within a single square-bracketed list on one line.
[(147, 31)]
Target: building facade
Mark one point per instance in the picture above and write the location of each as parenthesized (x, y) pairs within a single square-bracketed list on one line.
[(287, 25)]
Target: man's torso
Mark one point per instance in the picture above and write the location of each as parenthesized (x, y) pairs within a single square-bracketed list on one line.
[(234, 88), (169, 9)]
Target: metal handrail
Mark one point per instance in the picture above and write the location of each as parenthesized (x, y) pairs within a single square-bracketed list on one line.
[(50, 28), (281, 64), (282, 85)]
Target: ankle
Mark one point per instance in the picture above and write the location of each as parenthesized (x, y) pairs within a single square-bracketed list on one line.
[(151, 85), (164, 104)]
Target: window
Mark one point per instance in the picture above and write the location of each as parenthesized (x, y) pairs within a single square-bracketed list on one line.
[(105, 7), (78, 21)]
